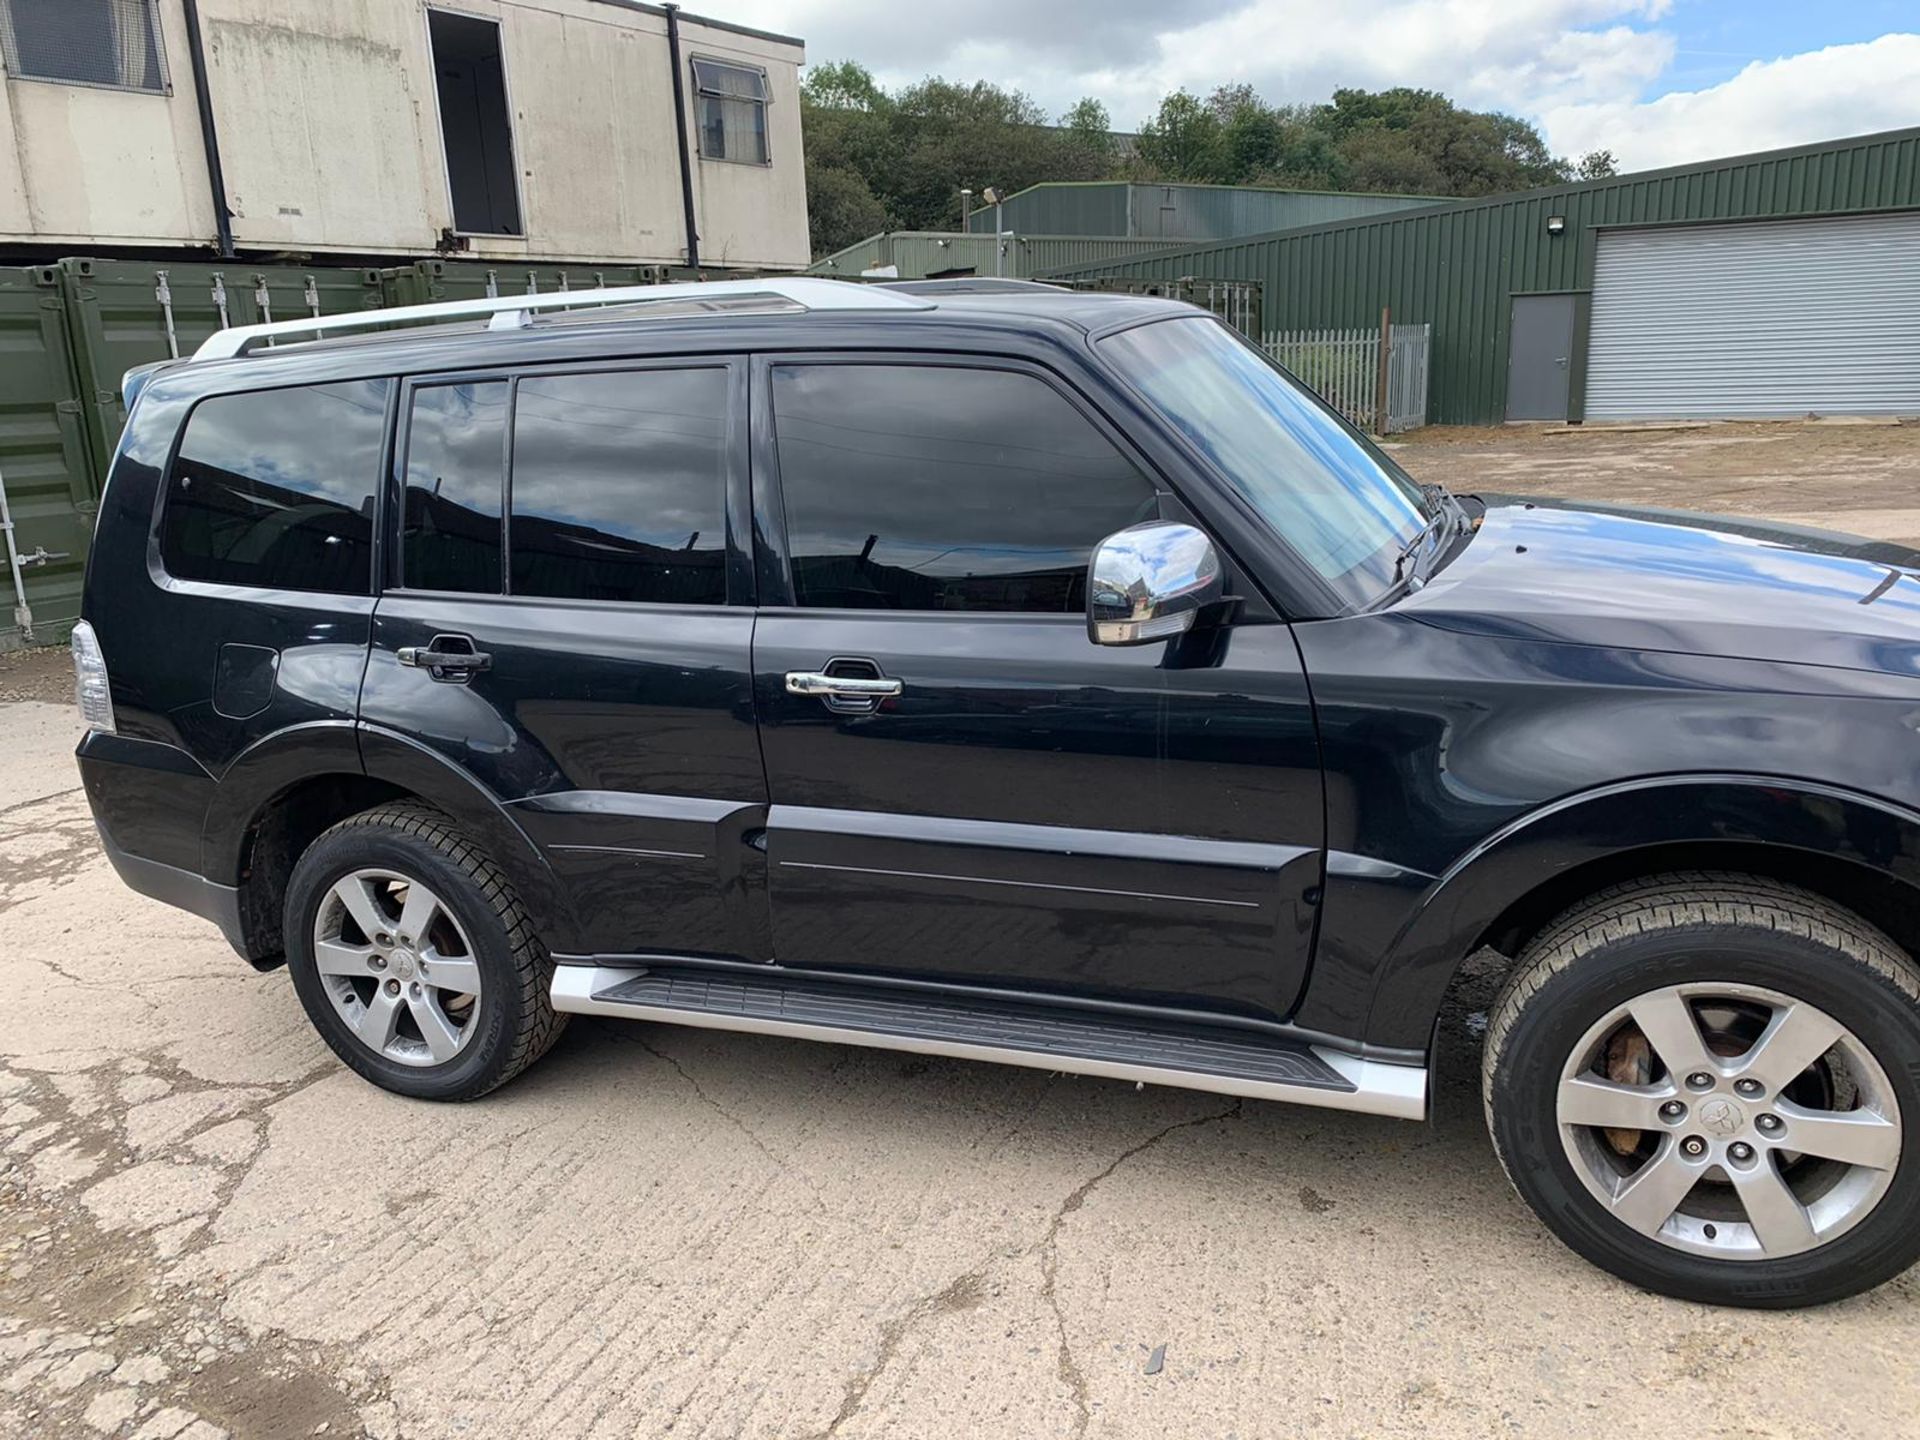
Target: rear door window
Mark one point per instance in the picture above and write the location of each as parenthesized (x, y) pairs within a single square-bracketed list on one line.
[(619, 486), (944, 488), (456, 488), (274, 489)]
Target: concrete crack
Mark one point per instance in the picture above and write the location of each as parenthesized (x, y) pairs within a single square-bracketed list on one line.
[(1071, 1374), (779, 1162), (41, 799), (961, 1293)]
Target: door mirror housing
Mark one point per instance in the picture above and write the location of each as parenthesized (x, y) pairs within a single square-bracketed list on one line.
[(1150, 582)]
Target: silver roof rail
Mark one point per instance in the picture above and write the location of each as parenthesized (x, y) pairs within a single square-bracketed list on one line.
[(811, 292)]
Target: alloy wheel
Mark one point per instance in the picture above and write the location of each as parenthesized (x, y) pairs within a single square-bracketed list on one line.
[(1728, 1120), (398, 967)]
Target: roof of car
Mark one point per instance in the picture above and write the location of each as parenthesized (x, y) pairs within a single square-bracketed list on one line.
[(694, 318)]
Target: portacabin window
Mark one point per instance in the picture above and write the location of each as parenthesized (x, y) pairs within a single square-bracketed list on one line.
[(731, 102), (114, 44), (274, 489)]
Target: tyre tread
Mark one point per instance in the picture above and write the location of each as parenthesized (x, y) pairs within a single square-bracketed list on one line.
[(540, 1025), (1666, 904)]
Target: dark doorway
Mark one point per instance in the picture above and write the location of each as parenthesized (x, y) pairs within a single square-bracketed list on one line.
[(475, 127), (1539, 357)]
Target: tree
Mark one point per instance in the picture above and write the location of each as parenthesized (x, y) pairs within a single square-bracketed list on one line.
[(842, 85), (913, 150), (1405, 139), (1089, 127), (1185, 140), (879, 159), (1596, 165), (841, 209)]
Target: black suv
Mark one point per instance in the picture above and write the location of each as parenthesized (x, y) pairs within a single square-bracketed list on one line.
[(992, 671)]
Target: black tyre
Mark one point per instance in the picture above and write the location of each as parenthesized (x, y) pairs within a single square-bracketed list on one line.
[(414, 959), (1700, 1083)]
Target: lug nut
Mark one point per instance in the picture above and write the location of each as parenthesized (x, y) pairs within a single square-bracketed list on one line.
[(378, 962), (1672, 1110), (393, 987), (1700, 1080), (1769, 1123), (1748, 1088), (383, 938), (1740, 1151), (416, 989), (1694, 1146)]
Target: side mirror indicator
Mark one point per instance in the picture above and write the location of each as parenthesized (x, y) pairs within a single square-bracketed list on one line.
[(1149, 582)]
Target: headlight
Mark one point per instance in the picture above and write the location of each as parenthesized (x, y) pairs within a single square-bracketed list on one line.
[(90, 686)]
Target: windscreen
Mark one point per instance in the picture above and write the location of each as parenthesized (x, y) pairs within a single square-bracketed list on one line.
[(1342, 508)]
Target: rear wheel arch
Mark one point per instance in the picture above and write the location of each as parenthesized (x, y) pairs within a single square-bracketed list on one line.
[(1854, 850), (287, 791)]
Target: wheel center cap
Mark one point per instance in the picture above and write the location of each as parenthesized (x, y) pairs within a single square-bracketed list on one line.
[(403, 964), (1722, 1117)]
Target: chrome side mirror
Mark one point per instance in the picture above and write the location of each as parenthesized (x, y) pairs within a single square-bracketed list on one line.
[(1150, 582)]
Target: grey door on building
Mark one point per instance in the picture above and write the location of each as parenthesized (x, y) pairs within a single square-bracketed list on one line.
[(1763, 318), (1540, 357)]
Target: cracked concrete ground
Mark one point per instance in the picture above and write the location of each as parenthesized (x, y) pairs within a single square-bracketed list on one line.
[(208, 1226)]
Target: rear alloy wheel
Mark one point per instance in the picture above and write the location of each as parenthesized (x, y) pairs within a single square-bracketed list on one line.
[(1701, 1083), (413, 957), (397, 966)]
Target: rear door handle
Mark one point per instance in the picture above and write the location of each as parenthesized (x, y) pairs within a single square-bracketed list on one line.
[(447, 657), (840, 687)]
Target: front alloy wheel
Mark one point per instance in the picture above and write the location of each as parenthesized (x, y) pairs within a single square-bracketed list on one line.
[(1700, 1082), (1769, 1130)]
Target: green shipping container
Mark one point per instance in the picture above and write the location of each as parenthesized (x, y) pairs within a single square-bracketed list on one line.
[(47, 472)]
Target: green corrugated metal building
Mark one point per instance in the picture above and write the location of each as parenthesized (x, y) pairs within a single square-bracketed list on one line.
[(917, 254), (1659, 293), (1170, 212)]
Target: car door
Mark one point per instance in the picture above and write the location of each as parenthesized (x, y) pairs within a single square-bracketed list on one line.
[(964, 787), (565, 622)]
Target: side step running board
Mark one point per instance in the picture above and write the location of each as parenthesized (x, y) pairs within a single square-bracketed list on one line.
[(1226, 1061)]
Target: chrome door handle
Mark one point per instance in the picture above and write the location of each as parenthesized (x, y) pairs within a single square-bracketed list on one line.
[(840, 687)]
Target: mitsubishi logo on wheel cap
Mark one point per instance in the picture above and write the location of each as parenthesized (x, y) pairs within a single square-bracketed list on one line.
[(1722, 1117)]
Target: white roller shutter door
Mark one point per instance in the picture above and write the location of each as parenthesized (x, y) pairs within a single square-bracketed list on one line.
[(1765, 318)]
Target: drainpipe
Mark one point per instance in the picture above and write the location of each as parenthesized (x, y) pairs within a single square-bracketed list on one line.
[(209, 140), (22, 613), (680, 133)]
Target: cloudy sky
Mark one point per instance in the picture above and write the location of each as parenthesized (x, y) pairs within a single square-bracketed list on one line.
[(1658, 82)]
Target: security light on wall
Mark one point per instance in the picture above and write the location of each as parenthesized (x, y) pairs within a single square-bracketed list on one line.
[(1556, 224)]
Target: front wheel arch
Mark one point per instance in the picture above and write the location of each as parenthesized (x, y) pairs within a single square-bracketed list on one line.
[(1855, 850)]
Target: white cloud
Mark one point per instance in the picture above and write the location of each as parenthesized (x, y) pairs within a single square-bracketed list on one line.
[(1821, 95), (1581, 68)]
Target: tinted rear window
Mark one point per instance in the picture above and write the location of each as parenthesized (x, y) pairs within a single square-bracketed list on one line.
[(274, 488), (456, 478), (619, 486)]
